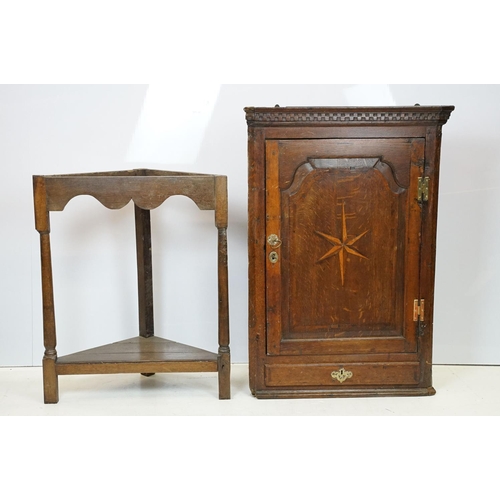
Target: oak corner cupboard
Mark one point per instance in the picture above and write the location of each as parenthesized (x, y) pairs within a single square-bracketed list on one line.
[(341, 239)]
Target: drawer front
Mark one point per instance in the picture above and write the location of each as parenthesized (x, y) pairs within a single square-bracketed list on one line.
[(350, 374)]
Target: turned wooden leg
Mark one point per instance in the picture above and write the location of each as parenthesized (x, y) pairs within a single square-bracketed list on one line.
[(50, 382), (42, 225), (224, 357)]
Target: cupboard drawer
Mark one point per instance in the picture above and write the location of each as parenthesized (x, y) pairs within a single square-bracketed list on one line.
[(351, 374)]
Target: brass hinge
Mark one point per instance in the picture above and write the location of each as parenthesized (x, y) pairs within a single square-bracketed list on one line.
[(423, 189), (418, 309)]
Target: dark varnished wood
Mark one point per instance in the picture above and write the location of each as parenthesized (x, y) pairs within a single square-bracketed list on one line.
[(221, 222), (338, 186), (145, 354), (144, 271), (347, 116)]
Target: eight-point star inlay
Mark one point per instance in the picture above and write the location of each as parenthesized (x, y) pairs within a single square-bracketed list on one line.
[(342, 246)]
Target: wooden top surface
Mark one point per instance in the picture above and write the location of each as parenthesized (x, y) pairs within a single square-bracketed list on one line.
[(138, 172)]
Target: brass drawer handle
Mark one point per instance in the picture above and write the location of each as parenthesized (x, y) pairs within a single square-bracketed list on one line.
[(274, 241), (342, 375)]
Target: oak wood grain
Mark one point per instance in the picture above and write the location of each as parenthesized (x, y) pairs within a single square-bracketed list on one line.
[(145, 354), (339, 188)]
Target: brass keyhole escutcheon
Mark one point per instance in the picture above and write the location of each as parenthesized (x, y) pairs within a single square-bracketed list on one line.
[(273, 257), (342, 375)]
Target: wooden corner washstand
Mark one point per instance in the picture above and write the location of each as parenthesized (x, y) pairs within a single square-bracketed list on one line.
[(147, 353), (342, 214)]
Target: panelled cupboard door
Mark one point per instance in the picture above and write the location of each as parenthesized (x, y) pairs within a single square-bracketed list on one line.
[(342, 218), (343, 238)]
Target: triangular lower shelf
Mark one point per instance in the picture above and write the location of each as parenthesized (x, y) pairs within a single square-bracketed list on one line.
[(138, 355)]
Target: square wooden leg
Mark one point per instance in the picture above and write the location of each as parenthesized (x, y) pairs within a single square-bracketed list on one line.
[(50, 381), (224, 369)]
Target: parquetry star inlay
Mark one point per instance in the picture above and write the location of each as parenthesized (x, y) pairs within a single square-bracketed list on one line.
[(342, 246)]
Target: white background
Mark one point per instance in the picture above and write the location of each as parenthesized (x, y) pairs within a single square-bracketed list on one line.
[(107, 41), (52, 129)]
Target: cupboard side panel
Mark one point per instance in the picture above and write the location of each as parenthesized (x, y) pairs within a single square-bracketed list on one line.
[(427, 266), (256, 257)]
